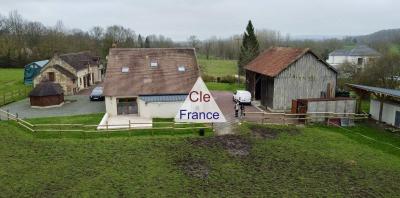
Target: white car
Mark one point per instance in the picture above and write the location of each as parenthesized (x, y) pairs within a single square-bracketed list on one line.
[(242, 96)]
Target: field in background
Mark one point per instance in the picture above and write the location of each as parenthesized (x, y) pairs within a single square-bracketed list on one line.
[(218, 67), (12, 87), (214, 86), (277, 161)]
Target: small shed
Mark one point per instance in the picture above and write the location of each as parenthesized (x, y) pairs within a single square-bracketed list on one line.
[(47, 94), (33, 69), (384, 105)]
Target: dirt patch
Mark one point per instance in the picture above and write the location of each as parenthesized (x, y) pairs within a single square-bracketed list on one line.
[(194, 167), (235, 145)]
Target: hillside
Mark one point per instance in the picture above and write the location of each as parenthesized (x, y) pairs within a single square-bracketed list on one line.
[(382, 36)]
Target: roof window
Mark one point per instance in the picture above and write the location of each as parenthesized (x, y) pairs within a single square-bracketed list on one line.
[(153, 63), (182, 68), (125, 69)]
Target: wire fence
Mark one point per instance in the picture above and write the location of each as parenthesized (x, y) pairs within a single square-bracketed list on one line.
[(303, 118)]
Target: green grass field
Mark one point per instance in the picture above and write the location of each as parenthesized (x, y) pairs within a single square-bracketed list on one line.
[(217, 67), (11, 79), (279, 161), (214, 86), (12, 87)]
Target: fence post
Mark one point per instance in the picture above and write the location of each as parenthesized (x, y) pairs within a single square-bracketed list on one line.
[(129, 125), (106, 125), (8, 114), (16, 116)]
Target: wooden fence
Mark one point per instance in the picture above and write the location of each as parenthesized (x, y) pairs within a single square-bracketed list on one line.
[(287, 118), (87, 128), (14, 95)]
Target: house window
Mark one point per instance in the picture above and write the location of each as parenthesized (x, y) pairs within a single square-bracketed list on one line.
[(153, 63), (51, 76), (181, 68), (360, 61), (125, 69)]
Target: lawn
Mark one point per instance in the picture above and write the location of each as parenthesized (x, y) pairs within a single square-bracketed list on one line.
[(218, 67), (214, 86), (11, 84), (280, 161)]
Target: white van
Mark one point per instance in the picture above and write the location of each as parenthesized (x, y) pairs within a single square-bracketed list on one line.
[(242, 96)]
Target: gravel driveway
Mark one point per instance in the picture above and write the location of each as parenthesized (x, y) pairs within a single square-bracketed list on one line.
[(74, 105), (224, 99)]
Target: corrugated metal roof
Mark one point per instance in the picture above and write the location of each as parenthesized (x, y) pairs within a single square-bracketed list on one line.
[(384, 91), (163, 98), (42, 62)]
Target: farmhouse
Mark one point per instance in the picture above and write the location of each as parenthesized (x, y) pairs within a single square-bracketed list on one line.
[(279, 75), (149, 82), (31, 70), (384, 105), (73, 71), (359, 55)]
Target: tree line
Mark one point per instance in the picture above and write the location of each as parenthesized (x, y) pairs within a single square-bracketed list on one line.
[(23, 41)]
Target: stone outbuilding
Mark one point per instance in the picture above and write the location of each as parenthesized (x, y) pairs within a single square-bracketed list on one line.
[(47, 94), (73, 71)]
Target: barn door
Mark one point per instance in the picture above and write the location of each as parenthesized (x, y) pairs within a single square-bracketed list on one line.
[(397, 119)]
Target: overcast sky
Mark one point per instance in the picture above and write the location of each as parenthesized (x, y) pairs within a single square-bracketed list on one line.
[(178, 19)]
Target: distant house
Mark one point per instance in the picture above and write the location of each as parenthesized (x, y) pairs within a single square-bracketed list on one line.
[(73, 71), (359, 55), (149, 82), (279, 75), (384, 106), (31, 70)]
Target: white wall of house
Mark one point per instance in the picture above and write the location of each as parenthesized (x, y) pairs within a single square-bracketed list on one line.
[(388, 112), (336, 61), (149, 110), (158, 109), (111, 105)]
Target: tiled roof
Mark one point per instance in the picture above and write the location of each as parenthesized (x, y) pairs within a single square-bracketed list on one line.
[(274, 60), (65, 72), (140, 78), (360, 50), (80, 60), (47, 89)]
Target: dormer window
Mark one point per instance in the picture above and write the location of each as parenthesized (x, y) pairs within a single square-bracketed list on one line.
[(153, 63), (125, 69), (181, 68)]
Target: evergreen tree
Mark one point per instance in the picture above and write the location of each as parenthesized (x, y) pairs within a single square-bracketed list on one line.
[(250, 47), (147, 42), (140, 41)]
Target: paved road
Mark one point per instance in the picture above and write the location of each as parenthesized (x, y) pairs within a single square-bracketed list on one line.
[(74, 105), (226, 104)]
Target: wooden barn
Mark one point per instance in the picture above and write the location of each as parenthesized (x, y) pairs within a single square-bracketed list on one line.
[(47, 94), (280, 74)]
